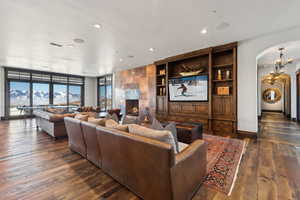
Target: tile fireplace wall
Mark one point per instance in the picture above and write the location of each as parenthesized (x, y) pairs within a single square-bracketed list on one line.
[(139, 80)]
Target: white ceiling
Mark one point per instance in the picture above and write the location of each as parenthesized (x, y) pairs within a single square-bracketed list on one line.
[(268, 57), (128, 28)]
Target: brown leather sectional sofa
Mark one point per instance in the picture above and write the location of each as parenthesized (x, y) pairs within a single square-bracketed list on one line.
[(147, 167)]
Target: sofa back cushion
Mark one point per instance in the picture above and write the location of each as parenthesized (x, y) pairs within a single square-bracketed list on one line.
[(92, 147), (76, 138), (115, 125), (82, 117), (97, 121), (160, 135), (130, 120)]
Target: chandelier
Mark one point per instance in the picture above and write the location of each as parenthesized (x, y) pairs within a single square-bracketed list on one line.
[(281, 62), (279, 66)]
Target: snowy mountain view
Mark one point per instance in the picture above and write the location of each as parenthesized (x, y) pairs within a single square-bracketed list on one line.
[(20, 98)]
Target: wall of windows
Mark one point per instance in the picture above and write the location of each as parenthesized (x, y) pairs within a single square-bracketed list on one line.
[(105, 92), (34, 88)]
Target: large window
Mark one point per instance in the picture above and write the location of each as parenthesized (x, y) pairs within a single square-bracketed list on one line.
[(60, 93), (105, 92), (19, 96), (74, 95), (33, 88), (40, 94)]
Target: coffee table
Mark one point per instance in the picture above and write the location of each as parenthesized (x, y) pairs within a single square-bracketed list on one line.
[(189, 132)]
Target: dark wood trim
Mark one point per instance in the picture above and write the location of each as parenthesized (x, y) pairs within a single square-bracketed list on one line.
[(246, 134), (279, 111), (184, 56)]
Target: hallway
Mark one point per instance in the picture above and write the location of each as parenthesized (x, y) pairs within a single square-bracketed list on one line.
[(275, 127)]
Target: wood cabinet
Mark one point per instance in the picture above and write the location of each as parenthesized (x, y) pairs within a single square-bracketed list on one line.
[(219, 113)]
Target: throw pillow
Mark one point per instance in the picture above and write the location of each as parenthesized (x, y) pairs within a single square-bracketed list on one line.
[(97, 121), (115, 125), (82, 117), (113, 117), (130, 120), (160, 135), (170, 127)]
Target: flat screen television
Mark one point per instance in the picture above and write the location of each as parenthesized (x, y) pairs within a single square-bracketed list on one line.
[(192, 88)]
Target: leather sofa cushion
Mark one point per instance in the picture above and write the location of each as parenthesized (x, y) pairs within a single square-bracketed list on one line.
[(130, 120), (115, 125), (90, 114), (160, 135), (97, 121), (182, 146), (59, 117), (82, 117)]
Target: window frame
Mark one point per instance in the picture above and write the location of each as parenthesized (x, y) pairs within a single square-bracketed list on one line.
[(105, 77), (51, 82)]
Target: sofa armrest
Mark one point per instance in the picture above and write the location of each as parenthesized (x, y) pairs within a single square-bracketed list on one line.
[(189, 170)]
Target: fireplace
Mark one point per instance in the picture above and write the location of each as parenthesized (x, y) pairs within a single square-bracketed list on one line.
[(132, 107)]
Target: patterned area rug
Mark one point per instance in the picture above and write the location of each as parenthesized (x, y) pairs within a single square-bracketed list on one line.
[(223, 159)]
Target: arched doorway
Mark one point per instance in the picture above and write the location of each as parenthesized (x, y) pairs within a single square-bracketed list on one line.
[(286, 79)]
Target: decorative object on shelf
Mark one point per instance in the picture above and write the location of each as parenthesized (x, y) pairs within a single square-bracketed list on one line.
[(162, 72), (164, 91), (228, 74), (224, 91), (219, 77), (163, 81), (160, 91), (191, 72), (272, 95)]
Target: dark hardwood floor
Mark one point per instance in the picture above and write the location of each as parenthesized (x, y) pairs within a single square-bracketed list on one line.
[(33, 166)]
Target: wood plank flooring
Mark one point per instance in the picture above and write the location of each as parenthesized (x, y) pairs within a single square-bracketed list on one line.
[(33, 166)]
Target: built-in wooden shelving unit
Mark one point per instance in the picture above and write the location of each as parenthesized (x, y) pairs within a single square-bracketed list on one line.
[(219, 113)]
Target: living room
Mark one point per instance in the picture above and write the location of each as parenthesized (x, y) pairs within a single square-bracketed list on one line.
[(149, 100)]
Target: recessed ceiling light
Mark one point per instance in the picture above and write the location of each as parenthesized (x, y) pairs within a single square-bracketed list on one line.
[(204, 31), (121, 59), (79, 40), (151, 49), (98, 26)]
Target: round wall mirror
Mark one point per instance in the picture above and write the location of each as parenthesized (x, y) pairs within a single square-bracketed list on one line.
[(272, 95)]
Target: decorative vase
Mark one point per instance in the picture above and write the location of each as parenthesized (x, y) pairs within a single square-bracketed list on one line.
[(228, 74), (219, 74)]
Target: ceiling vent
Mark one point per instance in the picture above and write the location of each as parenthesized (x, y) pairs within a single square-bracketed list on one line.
[(56, 45)]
